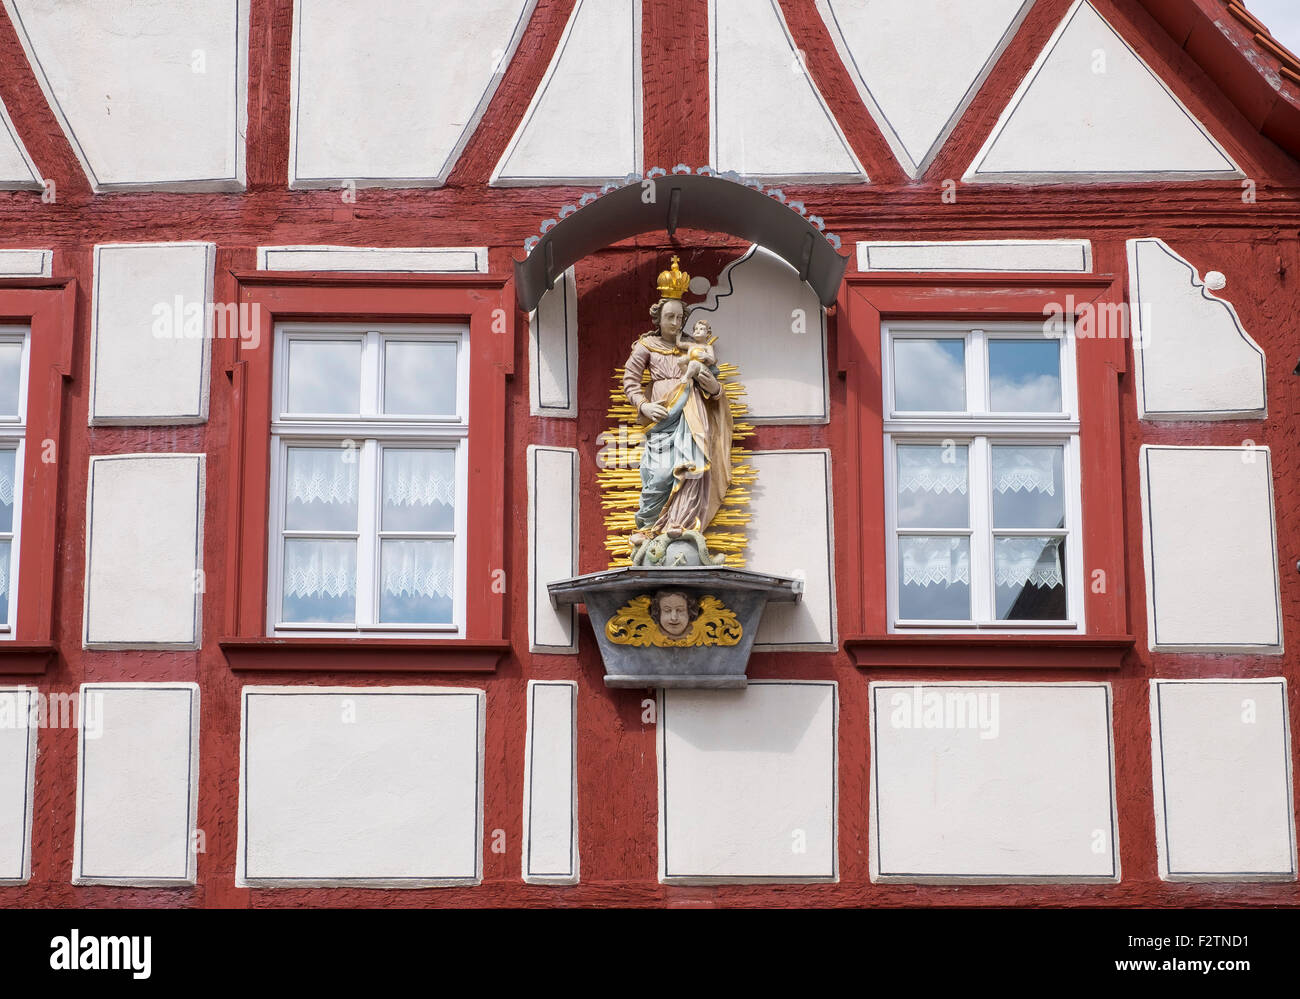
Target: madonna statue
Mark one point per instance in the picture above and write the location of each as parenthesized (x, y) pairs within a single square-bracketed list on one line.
[(686, 462)]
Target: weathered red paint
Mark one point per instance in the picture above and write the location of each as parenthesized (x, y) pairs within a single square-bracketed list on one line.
[(1254, 244), (46, 307)]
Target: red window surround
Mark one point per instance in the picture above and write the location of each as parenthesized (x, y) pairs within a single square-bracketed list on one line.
[(267, 297), (1101, 357), (48, 307)]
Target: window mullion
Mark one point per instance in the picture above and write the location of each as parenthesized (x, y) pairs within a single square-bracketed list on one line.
[(977, 395), (275, 557), (981, 487), (367, 525), (370, 375), (1075, 576)]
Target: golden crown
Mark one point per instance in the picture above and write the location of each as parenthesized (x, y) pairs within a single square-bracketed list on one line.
[(673, 283)]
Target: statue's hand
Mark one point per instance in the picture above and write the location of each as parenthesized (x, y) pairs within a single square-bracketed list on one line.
[(653, 412)]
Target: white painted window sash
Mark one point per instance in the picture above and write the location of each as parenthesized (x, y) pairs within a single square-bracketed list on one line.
[(369, 432), (13, 433), (979, 430)]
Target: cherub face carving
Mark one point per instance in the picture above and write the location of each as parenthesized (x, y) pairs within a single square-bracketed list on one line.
[(674, 611), (674, 618)]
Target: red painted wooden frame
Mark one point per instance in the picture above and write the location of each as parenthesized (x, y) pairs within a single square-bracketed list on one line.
[(265, 298), (48, 307), (866, 300)]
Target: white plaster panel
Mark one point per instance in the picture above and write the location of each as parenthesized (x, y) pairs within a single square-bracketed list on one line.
[(1091, 109), (773, 328), (768, 119), (1211, 550), (992, 783), (17, 772), (550, 854), (17, 169), (1195, 360), (151, 95), (552, 545), (151, 332), (791, 535), (747, 783), (417, 259), (137, 784), (144, 551), (584, 122), (918, 65), (1221, 759), (1056, 256), (553, 351), (361, 786), (26, 263), (387, 93)]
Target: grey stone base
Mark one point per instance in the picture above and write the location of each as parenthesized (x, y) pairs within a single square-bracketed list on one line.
[(717, 682), (744, 592)]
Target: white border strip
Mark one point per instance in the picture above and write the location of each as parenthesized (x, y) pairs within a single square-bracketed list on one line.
[(826, 8), (500, 179), (796, 54), (572, 876), (205, 364), (873, 813), (1158, 788), (974, 176), (29, 792), (240, 130), (661, 735), (26, 263), (437, 179), (1144, 333), (537, 592), (79, 877), (978, 256), (1148, 553), (17, 183), (358, 882), (381, 259), (541, 327), (201, 505)]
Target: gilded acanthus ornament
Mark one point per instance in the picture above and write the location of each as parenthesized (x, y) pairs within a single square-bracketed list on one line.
[(674, 619)]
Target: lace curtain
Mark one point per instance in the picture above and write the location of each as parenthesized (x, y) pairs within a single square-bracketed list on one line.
[(419, 478), (934, 560), (1016, 561), (322, 476), (7, 477), (923, 469), (1025, 469), (418, 569), (1027, 562), (320, 569)]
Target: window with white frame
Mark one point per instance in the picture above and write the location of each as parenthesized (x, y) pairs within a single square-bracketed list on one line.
[(13, 417), (982, 477), (369, 454)]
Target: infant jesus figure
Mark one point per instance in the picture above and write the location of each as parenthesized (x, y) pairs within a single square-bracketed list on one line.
[(700, 355)]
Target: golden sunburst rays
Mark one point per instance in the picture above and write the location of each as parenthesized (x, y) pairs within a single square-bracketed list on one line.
[(619, 475)]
